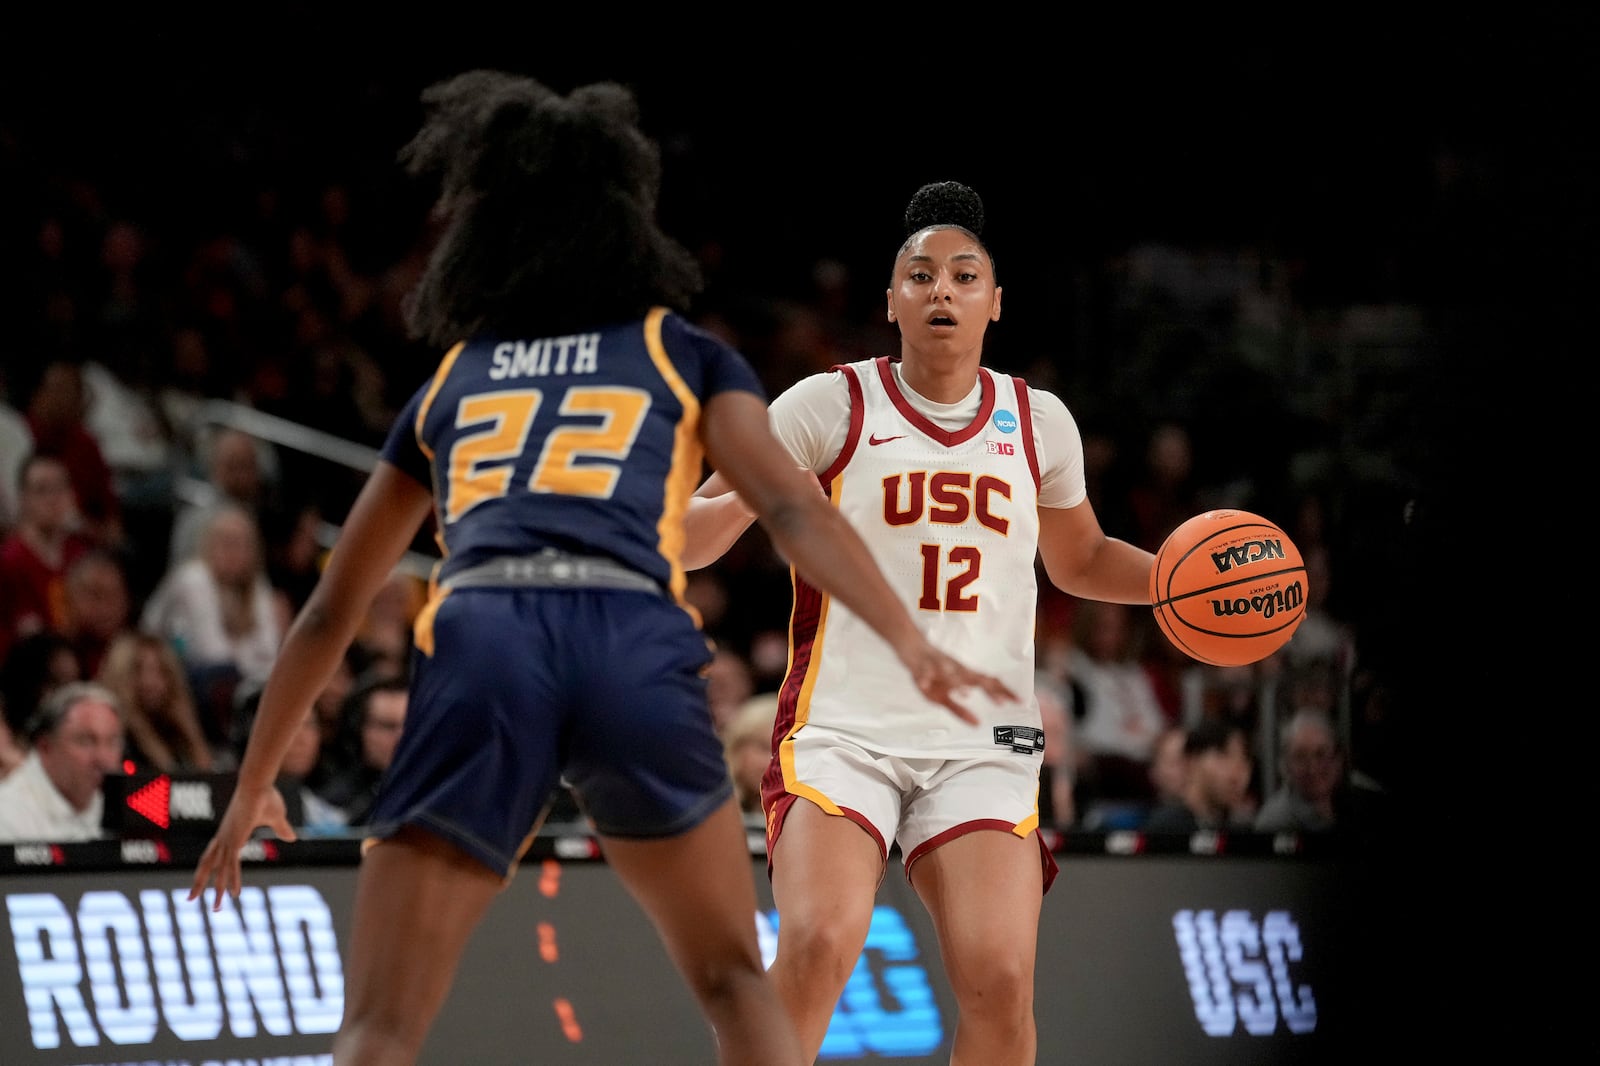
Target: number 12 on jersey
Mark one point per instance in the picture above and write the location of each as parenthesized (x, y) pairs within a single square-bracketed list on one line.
[(954, 569)]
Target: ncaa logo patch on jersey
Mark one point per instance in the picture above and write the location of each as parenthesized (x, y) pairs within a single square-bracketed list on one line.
[(1005, 421)]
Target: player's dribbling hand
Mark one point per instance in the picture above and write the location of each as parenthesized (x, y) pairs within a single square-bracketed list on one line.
[(219, 863), (940, 676)]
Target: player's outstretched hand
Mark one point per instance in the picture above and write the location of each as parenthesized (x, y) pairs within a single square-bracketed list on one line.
[(940, 677), (219, 864)]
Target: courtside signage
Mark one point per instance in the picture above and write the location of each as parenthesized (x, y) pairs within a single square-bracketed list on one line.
[(110, 972)]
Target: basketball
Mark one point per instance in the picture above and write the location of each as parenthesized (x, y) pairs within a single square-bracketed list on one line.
[(1228, 587)]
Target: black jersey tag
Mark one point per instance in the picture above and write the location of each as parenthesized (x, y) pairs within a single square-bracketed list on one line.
[(1022, 739)]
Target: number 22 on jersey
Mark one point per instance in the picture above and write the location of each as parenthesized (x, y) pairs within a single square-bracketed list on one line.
[(483, 461)]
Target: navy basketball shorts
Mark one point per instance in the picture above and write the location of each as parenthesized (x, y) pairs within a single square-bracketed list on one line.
[(526, 686)]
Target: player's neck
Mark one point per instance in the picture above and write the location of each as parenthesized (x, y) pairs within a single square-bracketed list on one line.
[(940, 377)]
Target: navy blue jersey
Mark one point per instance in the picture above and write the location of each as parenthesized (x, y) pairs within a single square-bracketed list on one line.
[(587, 443)]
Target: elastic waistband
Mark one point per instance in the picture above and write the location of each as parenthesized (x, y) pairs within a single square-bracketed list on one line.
[(552, 569)]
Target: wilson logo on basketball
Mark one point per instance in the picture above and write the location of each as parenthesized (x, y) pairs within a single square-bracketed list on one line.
[(1266, 605), (1251, 551)]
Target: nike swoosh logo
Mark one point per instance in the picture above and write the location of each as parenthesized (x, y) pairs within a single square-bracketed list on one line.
[(875, 439)]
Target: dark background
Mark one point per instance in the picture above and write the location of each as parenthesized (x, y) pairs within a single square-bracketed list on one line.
[(1399, 158), (1443, 163)]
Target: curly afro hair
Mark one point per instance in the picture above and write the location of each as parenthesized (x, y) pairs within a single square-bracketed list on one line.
[(945, 203), (549, 204)]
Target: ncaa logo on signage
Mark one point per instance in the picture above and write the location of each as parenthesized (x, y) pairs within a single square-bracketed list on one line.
[(1005, 421)]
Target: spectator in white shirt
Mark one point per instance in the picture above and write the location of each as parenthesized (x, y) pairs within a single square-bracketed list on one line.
[(55, 796), (220, 613), (217, 607)]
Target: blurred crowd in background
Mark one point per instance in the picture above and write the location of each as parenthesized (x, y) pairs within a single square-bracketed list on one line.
[(158, 540)]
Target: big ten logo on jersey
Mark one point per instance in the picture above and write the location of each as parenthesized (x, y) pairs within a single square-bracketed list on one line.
[(887, 1009), (541, 358), (1000, 447), (112, 969), (1242, 972)]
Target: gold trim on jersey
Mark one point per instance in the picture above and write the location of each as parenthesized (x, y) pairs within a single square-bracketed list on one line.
[(687, 461)]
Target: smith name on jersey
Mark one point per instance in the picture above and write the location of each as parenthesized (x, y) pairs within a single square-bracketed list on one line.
[(588, 443)]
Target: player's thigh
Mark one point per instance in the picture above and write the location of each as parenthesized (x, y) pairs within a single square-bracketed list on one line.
[(983, 891), (418, 900), (975, 858), (826, 869), (697, 887)]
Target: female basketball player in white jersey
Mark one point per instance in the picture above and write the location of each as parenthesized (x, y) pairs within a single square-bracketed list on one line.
[(958, 478)]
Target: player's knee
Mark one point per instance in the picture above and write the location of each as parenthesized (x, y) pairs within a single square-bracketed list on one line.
[(723, 979), (996, 984), (825, 948)]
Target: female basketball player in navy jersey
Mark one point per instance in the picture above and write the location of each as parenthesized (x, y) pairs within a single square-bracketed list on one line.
[(957, 478), (557, 445)]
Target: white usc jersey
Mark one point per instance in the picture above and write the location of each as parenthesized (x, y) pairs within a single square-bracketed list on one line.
[(952, 518)]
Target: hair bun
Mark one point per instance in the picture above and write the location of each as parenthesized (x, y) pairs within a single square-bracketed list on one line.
[(945, 203)]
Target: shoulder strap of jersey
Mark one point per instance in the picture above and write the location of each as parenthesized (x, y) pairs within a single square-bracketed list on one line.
[(1025, 427), (852, 435)]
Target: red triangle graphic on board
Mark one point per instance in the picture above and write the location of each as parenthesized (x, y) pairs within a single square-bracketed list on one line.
[(153, 800)]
